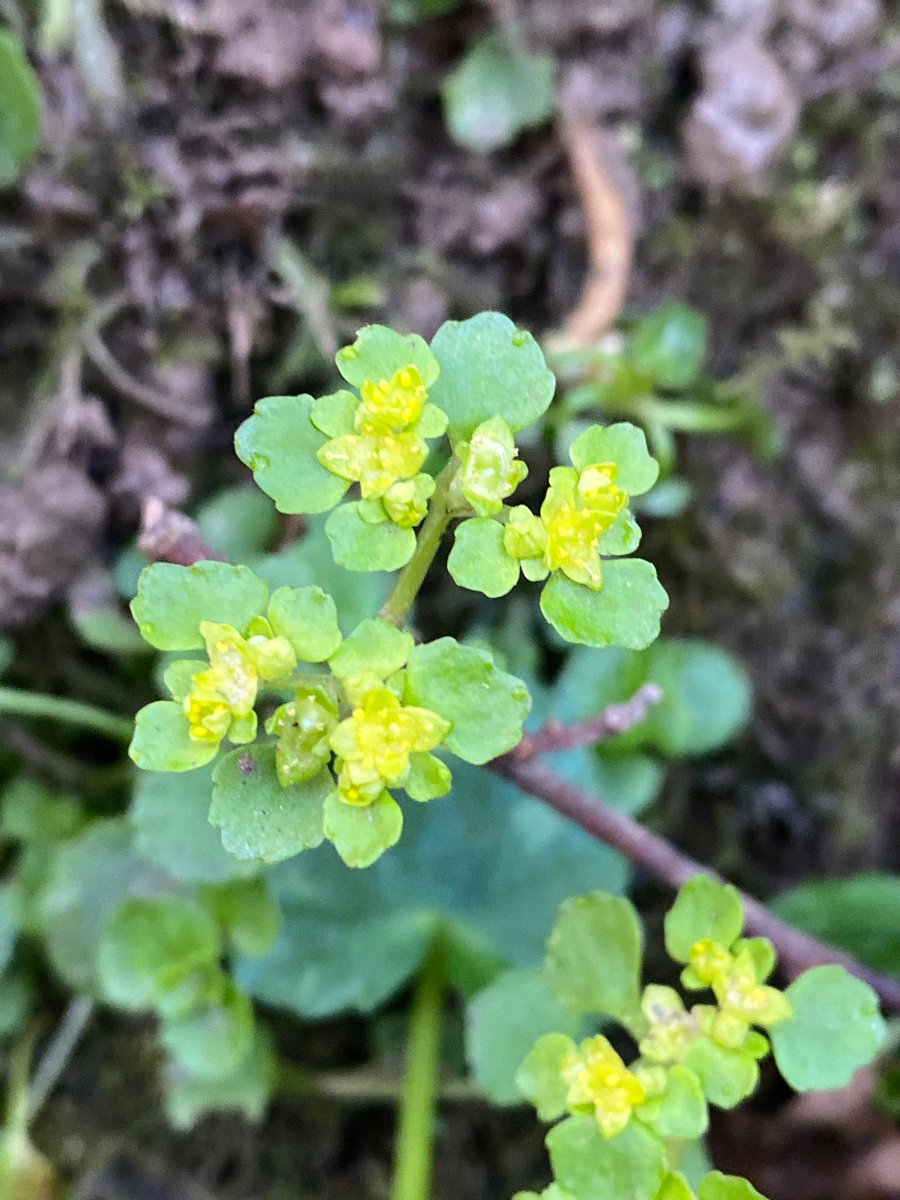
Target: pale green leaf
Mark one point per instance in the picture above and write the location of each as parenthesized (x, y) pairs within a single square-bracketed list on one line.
[(189, 1097), (21, 107), (279, 444), (212, 1041), (258, 818), (333, 415), (622, 537), (238, 521), (362, 834), (478, 560), (623, 444), (162, 740), (703, 909), (375, 645), (503, 1022), (463, 684), (247, 911), (361, 546), (716, 1186), (378, 353), (625, 612), (539, 1075), (726, 1076), (169, 816), (172, 601), (836, 1029), (594, 956), (630, 1166), (489, 368), (496, 92), (307, 617), (680, 1111), (157, 953), (669, 345)]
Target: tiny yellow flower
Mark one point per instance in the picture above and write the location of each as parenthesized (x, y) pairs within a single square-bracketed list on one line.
[(489, 467), (710, 962), (573, 530), (374, 743), (740, 993), (222, 697), (392, 405), (374, 461), (597, 487), (598, 1079), (406, 501)]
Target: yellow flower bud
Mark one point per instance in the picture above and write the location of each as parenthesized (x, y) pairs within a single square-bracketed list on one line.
[(598, 1079)]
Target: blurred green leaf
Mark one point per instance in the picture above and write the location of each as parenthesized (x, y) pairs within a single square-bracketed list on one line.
[(669, 345), (238, 522), (485, 860), (495, 93), (503, 1022), (858, 913), (21, 106), (594, 956), (630, 1166), (246, 1091)]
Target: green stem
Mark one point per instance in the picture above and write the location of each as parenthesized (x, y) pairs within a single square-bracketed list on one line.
[(70, 712), (415, 1133), (396, 607), (688, 417)]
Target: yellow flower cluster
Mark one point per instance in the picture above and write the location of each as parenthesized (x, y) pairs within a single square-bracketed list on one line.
[(373, 745), (744, 999), (387, 447), (578, 509), (221, 698), (598, 1080)]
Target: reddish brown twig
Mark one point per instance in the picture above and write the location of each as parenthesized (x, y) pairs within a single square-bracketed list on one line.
[(797, 951), (615, 719), (169, 536)]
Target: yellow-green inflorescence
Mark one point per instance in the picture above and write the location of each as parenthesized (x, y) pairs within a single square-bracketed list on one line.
[(221, 699), (388, 445), (598, 1081), (376, 744), (579, 507)]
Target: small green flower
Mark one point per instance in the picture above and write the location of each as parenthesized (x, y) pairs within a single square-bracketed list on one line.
[(303, 727), (574, 529), (390, 406), (489, 467), (406, 502), (672, 1027), (525, 539), (373, 745), (221, 699)]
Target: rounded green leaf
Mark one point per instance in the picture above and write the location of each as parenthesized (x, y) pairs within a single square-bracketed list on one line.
[(239, 521), (334, 415), (478, 560), (463, 685), (213, 1040), (360, 546), (625, 612), (680, 1112), (247, 911), (162, 740), (169, 816), (489, 368), (379, 352), (594, 956), (726, 1076), (630, 1166), (374, 645), (836, 1028), (496, 92), (428, 778), (707, 696), (21, 107), (503, 1022), (307, 617), (703, 909), (279, 444), (172, 601), (669, 345), (154, 952), (260, 819), (178, 676), (716, 1186), (539, 1077), (622, 537), (189, 1097), (623, 444), (362, 834)]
